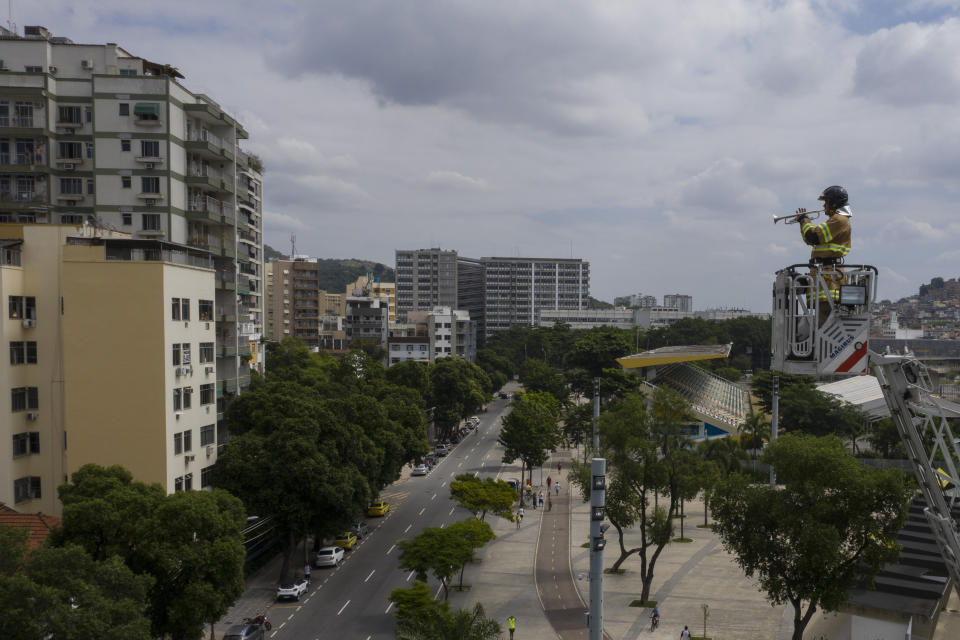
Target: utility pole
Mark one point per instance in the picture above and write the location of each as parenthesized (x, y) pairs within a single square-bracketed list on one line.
[(774, 416), (598, 501)]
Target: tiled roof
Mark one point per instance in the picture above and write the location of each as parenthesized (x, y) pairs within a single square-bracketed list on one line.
[(38, 524)]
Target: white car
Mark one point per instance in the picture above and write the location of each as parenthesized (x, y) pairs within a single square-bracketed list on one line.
[(329, 557), (292, 590), (419, 470)]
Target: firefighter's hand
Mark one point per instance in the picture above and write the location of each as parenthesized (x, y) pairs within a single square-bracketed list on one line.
[(801, 215)]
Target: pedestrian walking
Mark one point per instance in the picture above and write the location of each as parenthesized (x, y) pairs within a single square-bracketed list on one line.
[(557, 486), (519, 516), (558, 468), (549, 503), (533, 501), (685, 634), (548, 482), (541, 499), (306, 571), (512, 625)]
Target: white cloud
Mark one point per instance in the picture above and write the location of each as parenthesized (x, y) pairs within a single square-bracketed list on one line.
[(277, 220), (454, 180)]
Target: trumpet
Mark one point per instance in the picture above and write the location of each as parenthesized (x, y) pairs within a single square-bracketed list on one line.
[(794, 218)]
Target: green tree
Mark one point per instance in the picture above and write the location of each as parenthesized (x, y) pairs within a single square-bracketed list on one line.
[(476, 532), (440, 624), (761, 386), (415, 602), (754, 431), (833, 523), (537, 375), (437, 550), (411, 374), (885, 439), (530, 430), (599, 350), (189, 543), (457, 389), (818, 414), (480, 496)]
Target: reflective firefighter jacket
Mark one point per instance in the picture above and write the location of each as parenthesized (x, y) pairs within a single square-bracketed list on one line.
[(830, 239)]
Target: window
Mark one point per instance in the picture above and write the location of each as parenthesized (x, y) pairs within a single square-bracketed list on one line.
[(23, 398), (124, 145), (26, 443), (206, 476), (90, 187), (125, 111), (177, 443), (150, 184), (177, 402), (187, 440), (150, 148), (188, 482), (206, 352), (127, 217), (185, 348), (71, 186), (146, 111), (187, 398), (128, 72), (178, 484), (185, 308), (126, 182), (70, 115), (27, 488), (150, 221), (208, 432), (69, 218), (69, 150), (88, 115), (205, 309), (89, 151), (176, 355), (207, 396), (33, 69), (22, 307), (175, 309)]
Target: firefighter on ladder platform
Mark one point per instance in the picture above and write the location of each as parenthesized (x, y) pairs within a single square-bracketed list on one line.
[(830, 242)]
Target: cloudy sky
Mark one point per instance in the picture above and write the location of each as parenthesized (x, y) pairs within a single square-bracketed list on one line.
[(653, 139)]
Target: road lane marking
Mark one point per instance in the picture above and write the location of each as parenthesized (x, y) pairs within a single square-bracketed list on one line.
[(371, 574), (408, 528), (433, 496), (421, 511), (459, 465), (444, 484), (451, 512), (343, 607), (410, 575), (392, 547), (390, 606), (476, 474)]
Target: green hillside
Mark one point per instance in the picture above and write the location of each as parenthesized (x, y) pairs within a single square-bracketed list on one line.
[(335, 274)]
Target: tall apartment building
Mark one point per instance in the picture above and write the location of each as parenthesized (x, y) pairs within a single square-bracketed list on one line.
[(426, 278), (678, 301), (517, 289), (430, 335), (112, 360), (94, 133), (636, 301), (301, 309)]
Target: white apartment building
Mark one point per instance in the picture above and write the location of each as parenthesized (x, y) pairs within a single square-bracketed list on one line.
[(452, 334), (91, 132)]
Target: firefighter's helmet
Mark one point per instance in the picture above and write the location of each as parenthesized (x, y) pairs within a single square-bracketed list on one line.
[(834, 197)]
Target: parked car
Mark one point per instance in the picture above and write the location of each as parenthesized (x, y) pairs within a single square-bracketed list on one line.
[(378, 508), (504, 395), (442, 449), (419, 470), (346, 539), (514, 483), (328, 557), (292, 590), (430, 460), (360, 529), (475, 420), (247, 631)]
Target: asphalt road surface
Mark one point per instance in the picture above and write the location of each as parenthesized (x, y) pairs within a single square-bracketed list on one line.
[(351, 600)]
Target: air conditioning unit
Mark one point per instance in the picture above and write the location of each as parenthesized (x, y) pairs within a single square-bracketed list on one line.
[(86, 64), (189, 458), (68, 166), (52, 69), (148, 165), (28, 323), (32, 415), (184, 371), (209, 370), (209, 450)]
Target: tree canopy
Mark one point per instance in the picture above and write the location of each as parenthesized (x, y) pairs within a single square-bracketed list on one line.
[(530, 430), (833, 522)]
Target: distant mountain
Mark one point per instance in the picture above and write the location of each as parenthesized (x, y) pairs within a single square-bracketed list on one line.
[(593, 303), (336, 274)]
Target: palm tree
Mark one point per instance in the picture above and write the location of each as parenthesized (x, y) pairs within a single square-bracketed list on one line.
[(725, 452), (756, 428), (440, 624)]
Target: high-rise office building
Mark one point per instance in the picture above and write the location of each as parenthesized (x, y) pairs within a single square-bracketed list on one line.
[(426, 278), (678, 301), (517, 289)]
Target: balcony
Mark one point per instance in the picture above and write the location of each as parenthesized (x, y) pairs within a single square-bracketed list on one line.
[(21, 161), (21, 122), (209, 209)]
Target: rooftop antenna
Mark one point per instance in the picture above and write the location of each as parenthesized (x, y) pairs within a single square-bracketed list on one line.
[(293, 245), (11, 25)]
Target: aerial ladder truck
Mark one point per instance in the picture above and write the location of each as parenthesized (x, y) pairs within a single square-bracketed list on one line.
[(839, 347)]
